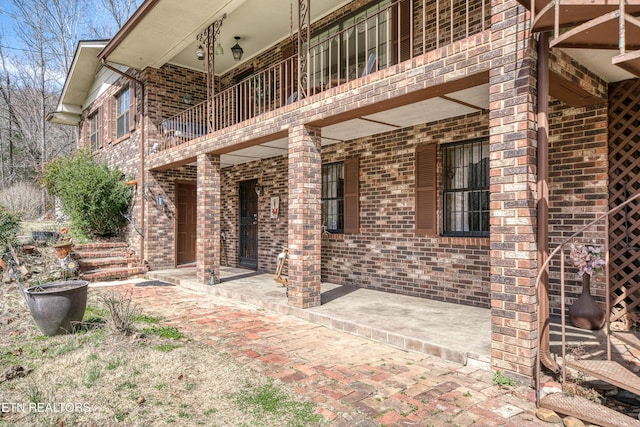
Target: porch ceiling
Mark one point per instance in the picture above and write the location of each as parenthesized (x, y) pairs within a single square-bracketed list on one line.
[(453, 104), (165, 31)]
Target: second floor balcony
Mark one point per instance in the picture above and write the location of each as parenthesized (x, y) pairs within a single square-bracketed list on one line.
[(337, 46)]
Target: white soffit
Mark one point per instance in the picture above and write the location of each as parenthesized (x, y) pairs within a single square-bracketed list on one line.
[(168, 31), (356, 128), (282, 143), (82, 73), (453, 104), (260, 151), (478, 96), (426, 111), (227, 160), (258, 23)]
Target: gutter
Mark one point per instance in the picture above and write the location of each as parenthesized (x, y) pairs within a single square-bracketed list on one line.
[(544, 353), (142, 145)]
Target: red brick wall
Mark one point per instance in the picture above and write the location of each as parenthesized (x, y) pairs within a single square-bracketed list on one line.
[(122, 153), (578, 186), (513, 191), (160, 221), (387, 254)]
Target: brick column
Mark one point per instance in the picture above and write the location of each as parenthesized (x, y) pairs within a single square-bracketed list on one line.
[(305, 216), (513, 143), (208, 233)]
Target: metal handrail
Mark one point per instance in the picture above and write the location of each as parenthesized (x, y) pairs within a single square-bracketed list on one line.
[(544, 269)]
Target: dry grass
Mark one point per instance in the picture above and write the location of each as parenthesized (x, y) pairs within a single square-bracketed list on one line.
[(106, 378), (23, 198)]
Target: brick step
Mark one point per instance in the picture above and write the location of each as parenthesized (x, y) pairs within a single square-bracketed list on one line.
[(107, 262), (113, 273), (105, 253), (98, 246)]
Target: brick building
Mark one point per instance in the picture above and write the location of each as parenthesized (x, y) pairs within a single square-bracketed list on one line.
[(387, 145)]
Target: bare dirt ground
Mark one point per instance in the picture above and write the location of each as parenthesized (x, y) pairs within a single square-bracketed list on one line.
[(101, 377)]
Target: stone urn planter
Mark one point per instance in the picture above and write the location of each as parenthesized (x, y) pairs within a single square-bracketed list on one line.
[(55, 307)]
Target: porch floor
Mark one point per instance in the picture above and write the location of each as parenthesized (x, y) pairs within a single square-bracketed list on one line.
[(453, 332)]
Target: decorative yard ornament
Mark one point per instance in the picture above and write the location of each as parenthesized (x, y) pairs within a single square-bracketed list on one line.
[(585, 313)]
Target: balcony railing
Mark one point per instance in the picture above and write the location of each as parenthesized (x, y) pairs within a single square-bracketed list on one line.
[(402, 30), (264, 91)]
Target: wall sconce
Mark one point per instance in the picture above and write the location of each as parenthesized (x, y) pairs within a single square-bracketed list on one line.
[(259, 189), (200, 53), (237, 50), (160, 200), (219, 50), (187, 98), (154, 149)]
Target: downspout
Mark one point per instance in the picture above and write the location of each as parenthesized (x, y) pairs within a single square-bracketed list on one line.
[(142, 146), (543, 205)]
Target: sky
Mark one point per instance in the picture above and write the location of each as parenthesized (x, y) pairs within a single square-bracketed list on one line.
[(9, 38)]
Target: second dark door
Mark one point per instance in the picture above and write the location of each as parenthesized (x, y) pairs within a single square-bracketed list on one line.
[(248, 239)]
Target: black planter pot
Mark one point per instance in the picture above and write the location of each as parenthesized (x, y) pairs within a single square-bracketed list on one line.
[(55, 306)]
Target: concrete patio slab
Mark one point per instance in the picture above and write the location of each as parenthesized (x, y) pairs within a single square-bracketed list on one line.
[(453, 332)]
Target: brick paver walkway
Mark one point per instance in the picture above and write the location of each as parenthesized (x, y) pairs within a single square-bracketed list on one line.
[(354, 381)]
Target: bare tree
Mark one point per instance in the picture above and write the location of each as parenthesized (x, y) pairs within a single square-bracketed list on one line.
[(120, 10), (32, 75)]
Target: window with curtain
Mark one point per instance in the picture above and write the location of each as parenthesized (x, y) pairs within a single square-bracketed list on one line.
[(465, 182), (333, 197), (122, 113)]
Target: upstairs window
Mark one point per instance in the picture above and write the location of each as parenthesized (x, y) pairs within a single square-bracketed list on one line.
[(94, 134), (465, 178), (122, 113)]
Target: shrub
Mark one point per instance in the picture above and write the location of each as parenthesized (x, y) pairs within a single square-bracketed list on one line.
[(122, 312), (9, 225), (94, 196)]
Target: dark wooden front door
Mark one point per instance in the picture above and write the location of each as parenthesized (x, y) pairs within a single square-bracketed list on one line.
[(248, 239), (186, 223)]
